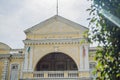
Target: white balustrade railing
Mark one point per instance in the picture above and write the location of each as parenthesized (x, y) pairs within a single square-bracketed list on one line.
[(55, 74)]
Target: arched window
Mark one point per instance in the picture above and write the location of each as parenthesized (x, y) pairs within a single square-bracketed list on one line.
[(56, 61)]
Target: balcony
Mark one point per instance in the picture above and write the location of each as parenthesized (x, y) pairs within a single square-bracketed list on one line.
[(57, 75)]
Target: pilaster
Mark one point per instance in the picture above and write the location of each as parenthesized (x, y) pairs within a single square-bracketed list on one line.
[(30, 68), (25, 68), (81, 58), (84, 58)]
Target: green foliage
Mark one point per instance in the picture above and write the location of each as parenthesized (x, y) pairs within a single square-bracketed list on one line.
[(108, 36)]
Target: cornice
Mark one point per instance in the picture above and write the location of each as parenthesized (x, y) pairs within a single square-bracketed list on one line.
[(2, 56), (53, 41), (55, 33), (5, 55)]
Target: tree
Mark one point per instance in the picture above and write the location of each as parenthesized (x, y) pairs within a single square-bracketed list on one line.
[(107, 34)]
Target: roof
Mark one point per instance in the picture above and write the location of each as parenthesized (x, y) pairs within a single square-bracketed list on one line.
[(4, 46)]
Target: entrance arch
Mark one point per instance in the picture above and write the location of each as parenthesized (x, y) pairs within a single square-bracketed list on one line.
[(56, 61)]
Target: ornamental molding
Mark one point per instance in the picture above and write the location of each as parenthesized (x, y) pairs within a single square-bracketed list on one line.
[(53, 41), (56, 33)]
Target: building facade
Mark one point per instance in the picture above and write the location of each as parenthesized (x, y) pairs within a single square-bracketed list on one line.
[(54, 49)]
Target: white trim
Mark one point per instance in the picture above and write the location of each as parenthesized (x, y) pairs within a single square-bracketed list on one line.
[(56, 41)]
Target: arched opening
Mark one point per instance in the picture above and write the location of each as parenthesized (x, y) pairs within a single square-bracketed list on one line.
[(56, 61)]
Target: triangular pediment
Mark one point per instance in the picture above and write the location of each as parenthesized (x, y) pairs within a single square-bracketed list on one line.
[(56, 24)]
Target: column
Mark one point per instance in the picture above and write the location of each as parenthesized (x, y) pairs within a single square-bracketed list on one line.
[(81, 58), (5, 70), (31, 59), (26, 60)]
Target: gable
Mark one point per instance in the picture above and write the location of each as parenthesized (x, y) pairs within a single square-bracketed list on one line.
[(56, 24), (55, 27)]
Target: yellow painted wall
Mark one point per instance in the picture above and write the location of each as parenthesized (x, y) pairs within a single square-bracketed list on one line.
[(55, 30), (71, 50), (4, 51)]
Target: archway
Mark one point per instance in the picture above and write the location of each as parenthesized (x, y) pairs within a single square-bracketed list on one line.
[(56, 61)]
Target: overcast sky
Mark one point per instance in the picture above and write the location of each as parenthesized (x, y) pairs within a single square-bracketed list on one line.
[(18, 15)]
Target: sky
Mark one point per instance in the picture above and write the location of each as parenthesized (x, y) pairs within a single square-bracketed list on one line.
[(19, 15)]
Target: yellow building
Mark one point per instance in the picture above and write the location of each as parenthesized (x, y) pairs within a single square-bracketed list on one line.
[(52, 51)]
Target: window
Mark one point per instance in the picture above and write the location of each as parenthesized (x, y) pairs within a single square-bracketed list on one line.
[(45, 66)]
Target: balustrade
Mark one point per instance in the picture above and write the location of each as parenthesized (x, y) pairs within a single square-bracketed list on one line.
[(38, 74), (59, 75), (55, 74)]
